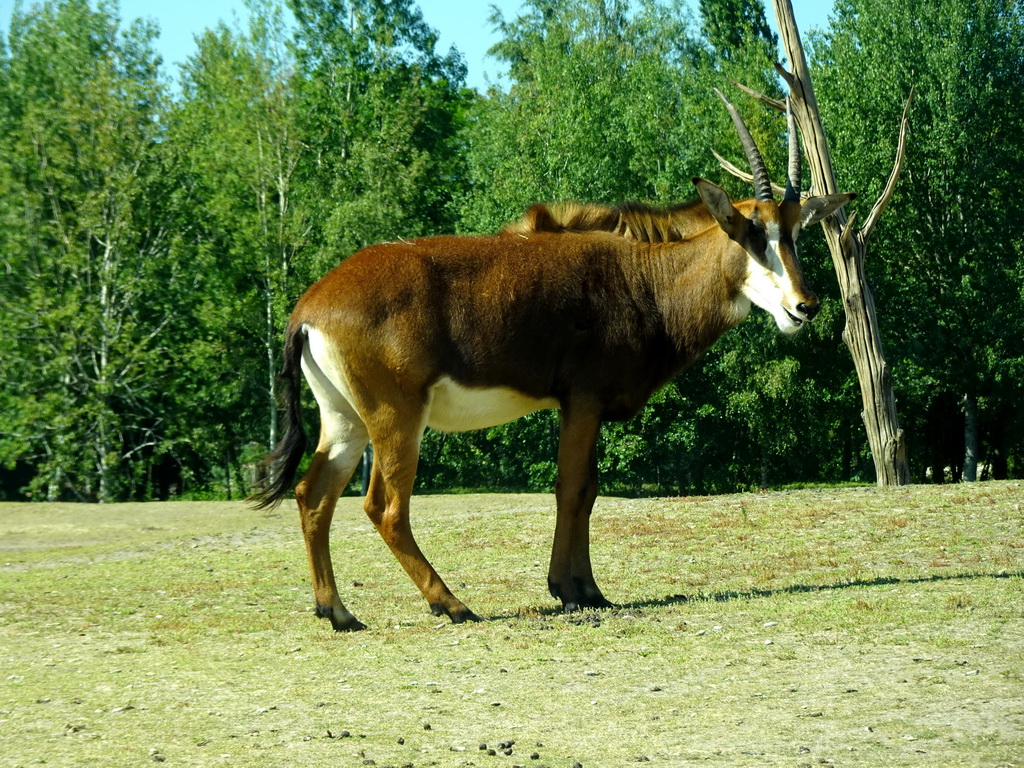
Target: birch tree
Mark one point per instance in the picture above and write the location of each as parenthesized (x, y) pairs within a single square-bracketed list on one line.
[(81, 258), (380, 111), (235, 129)]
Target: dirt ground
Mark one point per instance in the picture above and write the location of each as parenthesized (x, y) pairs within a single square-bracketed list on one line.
[(847, 627)]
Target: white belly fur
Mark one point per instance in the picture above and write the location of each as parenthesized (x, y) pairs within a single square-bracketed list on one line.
[(455, 408)]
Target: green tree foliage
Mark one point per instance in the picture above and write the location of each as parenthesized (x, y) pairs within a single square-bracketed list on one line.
[(601, 107), (730, 26), (153, 237), (234, 139), (84, 299), (155, 246), (949, 257), (379, 108), (739, 46)]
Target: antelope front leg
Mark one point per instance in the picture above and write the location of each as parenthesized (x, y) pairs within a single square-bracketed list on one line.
[(582, 572), (570, 575)]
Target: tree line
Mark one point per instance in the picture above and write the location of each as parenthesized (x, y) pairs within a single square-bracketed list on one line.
[(156, 227)]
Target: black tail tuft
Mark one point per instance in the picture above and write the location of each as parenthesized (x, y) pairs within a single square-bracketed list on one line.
[(285, 459)]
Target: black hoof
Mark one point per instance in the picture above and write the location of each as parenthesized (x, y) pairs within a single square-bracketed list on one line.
[(346, 623), (590, 595), (458, 617), (561, 594), (355, 625), (583, 596), (572, 606)]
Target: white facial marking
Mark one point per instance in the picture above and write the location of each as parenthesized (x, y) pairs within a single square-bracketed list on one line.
[(771, 287), (455, 408)]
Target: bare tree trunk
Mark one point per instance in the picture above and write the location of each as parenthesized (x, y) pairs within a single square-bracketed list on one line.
[(848, 247), (260, 186), (271, 351), (970, 439), (101, 367), (367, 466)]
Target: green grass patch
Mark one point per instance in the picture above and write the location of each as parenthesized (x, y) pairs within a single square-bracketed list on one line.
[(825, 626)]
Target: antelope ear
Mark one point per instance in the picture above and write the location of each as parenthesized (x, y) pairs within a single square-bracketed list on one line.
[(717, 201), (815, 209)]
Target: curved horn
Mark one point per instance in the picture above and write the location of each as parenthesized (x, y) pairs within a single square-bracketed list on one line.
[(793, 176), (762, 182)]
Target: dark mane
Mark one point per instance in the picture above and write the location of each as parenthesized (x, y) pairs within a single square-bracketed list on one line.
[(634, 221)]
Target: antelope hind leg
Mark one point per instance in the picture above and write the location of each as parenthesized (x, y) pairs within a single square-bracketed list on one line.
[(317, 494), (395, 458), (343, 436)]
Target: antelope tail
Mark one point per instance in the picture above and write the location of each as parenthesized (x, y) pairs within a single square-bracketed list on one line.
[(285, 458)]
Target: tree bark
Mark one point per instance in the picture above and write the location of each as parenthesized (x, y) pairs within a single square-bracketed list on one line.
[(848, 247), (367, 466), (970, 439)]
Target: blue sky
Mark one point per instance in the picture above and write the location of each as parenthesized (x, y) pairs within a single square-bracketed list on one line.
[(462, 23)]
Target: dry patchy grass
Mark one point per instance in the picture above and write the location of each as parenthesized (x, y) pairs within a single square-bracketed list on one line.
[(859, 627)]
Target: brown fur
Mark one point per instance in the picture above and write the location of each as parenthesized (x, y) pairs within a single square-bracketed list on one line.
[(544, 314)]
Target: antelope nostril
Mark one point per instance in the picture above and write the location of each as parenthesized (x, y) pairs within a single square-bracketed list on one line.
[(809, 310)]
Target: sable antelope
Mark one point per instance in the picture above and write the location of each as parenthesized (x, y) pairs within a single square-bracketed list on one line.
[(585, 309)]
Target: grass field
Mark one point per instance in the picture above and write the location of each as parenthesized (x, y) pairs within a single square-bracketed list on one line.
[(847, 627)]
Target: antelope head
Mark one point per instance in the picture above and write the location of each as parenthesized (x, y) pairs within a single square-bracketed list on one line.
[(768, 235)]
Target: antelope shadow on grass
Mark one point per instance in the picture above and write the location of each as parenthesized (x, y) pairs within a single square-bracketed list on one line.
[(725, 596)]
